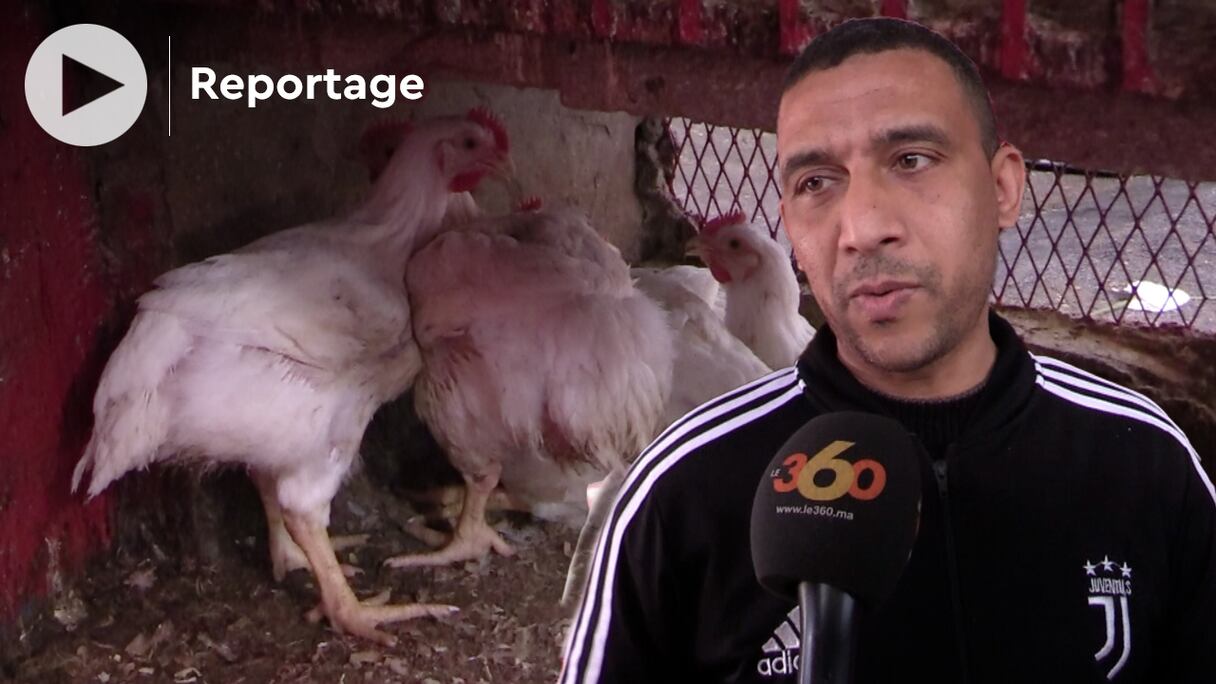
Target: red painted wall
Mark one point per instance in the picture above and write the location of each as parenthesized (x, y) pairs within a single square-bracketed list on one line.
[(53, 300)]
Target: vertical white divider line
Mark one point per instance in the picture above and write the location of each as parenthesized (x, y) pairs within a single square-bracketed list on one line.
[(170, 87)]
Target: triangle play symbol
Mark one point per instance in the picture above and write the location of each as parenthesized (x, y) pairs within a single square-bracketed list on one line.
[(105, 84)]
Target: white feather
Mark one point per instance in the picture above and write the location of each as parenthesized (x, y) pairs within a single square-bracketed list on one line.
[(275, 356), (709, 360), (538, 353)]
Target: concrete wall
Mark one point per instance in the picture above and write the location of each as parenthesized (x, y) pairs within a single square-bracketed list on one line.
[(569, 157)]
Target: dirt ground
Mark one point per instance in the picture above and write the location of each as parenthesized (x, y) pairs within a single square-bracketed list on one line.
[(168, 619)]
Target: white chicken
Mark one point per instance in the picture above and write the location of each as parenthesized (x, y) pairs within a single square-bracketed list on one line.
[(543, 367), (695, 279), (709, 362), (274, 357), (761, 289), (701, 341)]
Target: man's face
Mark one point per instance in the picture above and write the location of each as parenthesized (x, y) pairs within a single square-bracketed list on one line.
[(892, 206)]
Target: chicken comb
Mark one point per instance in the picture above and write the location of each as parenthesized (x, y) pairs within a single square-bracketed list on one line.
[(485, 117), (714, 224), (530, 203)]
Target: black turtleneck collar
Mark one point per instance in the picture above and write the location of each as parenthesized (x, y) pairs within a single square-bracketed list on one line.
[(938, 423)]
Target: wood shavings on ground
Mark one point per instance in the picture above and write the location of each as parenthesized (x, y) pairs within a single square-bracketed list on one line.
[(151, 621)]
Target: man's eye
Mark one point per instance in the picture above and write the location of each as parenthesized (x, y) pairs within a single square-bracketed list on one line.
[(812, 184), (912, 161), (469, 143)]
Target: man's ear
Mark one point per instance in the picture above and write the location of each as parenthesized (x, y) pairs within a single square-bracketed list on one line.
[(1009, 175)]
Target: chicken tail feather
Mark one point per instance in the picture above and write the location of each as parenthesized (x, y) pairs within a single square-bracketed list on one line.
[(85, 463), (127, 437), (131, 418)]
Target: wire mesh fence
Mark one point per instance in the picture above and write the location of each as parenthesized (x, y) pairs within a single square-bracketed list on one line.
[(1133, 250)]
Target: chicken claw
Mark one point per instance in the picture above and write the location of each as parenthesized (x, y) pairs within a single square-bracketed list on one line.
[(361, 619), (473, 539), (416, 527), (471, 544), (338, 603)]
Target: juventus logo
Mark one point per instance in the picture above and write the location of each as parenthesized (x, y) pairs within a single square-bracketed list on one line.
[(1110, 586)]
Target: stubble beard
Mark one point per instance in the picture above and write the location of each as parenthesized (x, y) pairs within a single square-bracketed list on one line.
[(952, 311)]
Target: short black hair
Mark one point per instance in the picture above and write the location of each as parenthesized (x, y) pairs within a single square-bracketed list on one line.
[(880, 34)]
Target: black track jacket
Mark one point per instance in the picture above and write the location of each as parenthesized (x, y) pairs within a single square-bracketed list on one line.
[(1069, 535)]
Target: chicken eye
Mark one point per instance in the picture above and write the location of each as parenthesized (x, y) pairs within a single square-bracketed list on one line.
[(469, 143), (734, 244)]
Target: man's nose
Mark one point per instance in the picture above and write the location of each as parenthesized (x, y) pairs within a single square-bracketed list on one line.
[(868, 219)]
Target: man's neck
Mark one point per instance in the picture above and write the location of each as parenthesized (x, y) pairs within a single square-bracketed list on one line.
[(959, 371)]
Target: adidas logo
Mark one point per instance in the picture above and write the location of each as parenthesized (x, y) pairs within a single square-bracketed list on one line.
[(781, 653)]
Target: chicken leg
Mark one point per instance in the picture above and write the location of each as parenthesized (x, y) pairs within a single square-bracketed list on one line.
[(473, 538), (338, 602), (285, 555), (448, 501)]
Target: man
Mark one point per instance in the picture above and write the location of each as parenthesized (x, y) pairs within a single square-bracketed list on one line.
[(1068, 533)]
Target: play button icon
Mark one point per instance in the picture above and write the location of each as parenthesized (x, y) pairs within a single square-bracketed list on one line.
[(106, 84), (92, 55)]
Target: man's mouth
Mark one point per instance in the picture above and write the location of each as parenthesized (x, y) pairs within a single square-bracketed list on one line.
[(882, 299)]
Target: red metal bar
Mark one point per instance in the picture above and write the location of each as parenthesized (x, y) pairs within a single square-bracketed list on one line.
[(1014, 49), (526, 15), (795, 30), (690, 25), (1138, 74), (603, 18)]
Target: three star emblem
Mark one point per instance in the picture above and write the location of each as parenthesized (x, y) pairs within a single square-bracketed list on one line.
[(1107, 565)]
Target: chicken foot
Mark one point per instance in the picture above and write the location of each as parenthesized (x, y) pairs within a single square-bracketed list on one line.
[(338, 602), (448, 501), (473, 538)]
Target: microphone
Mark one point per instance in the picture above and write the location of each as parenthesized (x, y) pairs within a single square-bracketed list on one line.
[(833, 524)]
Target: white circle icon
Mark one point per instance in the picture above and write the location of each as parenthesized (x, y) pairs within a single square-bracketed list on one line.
[(103, 57)]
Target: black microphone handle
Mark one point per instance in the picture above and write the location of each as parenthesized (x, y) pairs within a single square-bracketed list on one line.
[(830, 619)]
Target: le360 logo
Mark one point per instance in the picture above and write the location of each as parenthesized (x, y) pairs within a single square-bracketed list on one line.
[(800, 472)]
